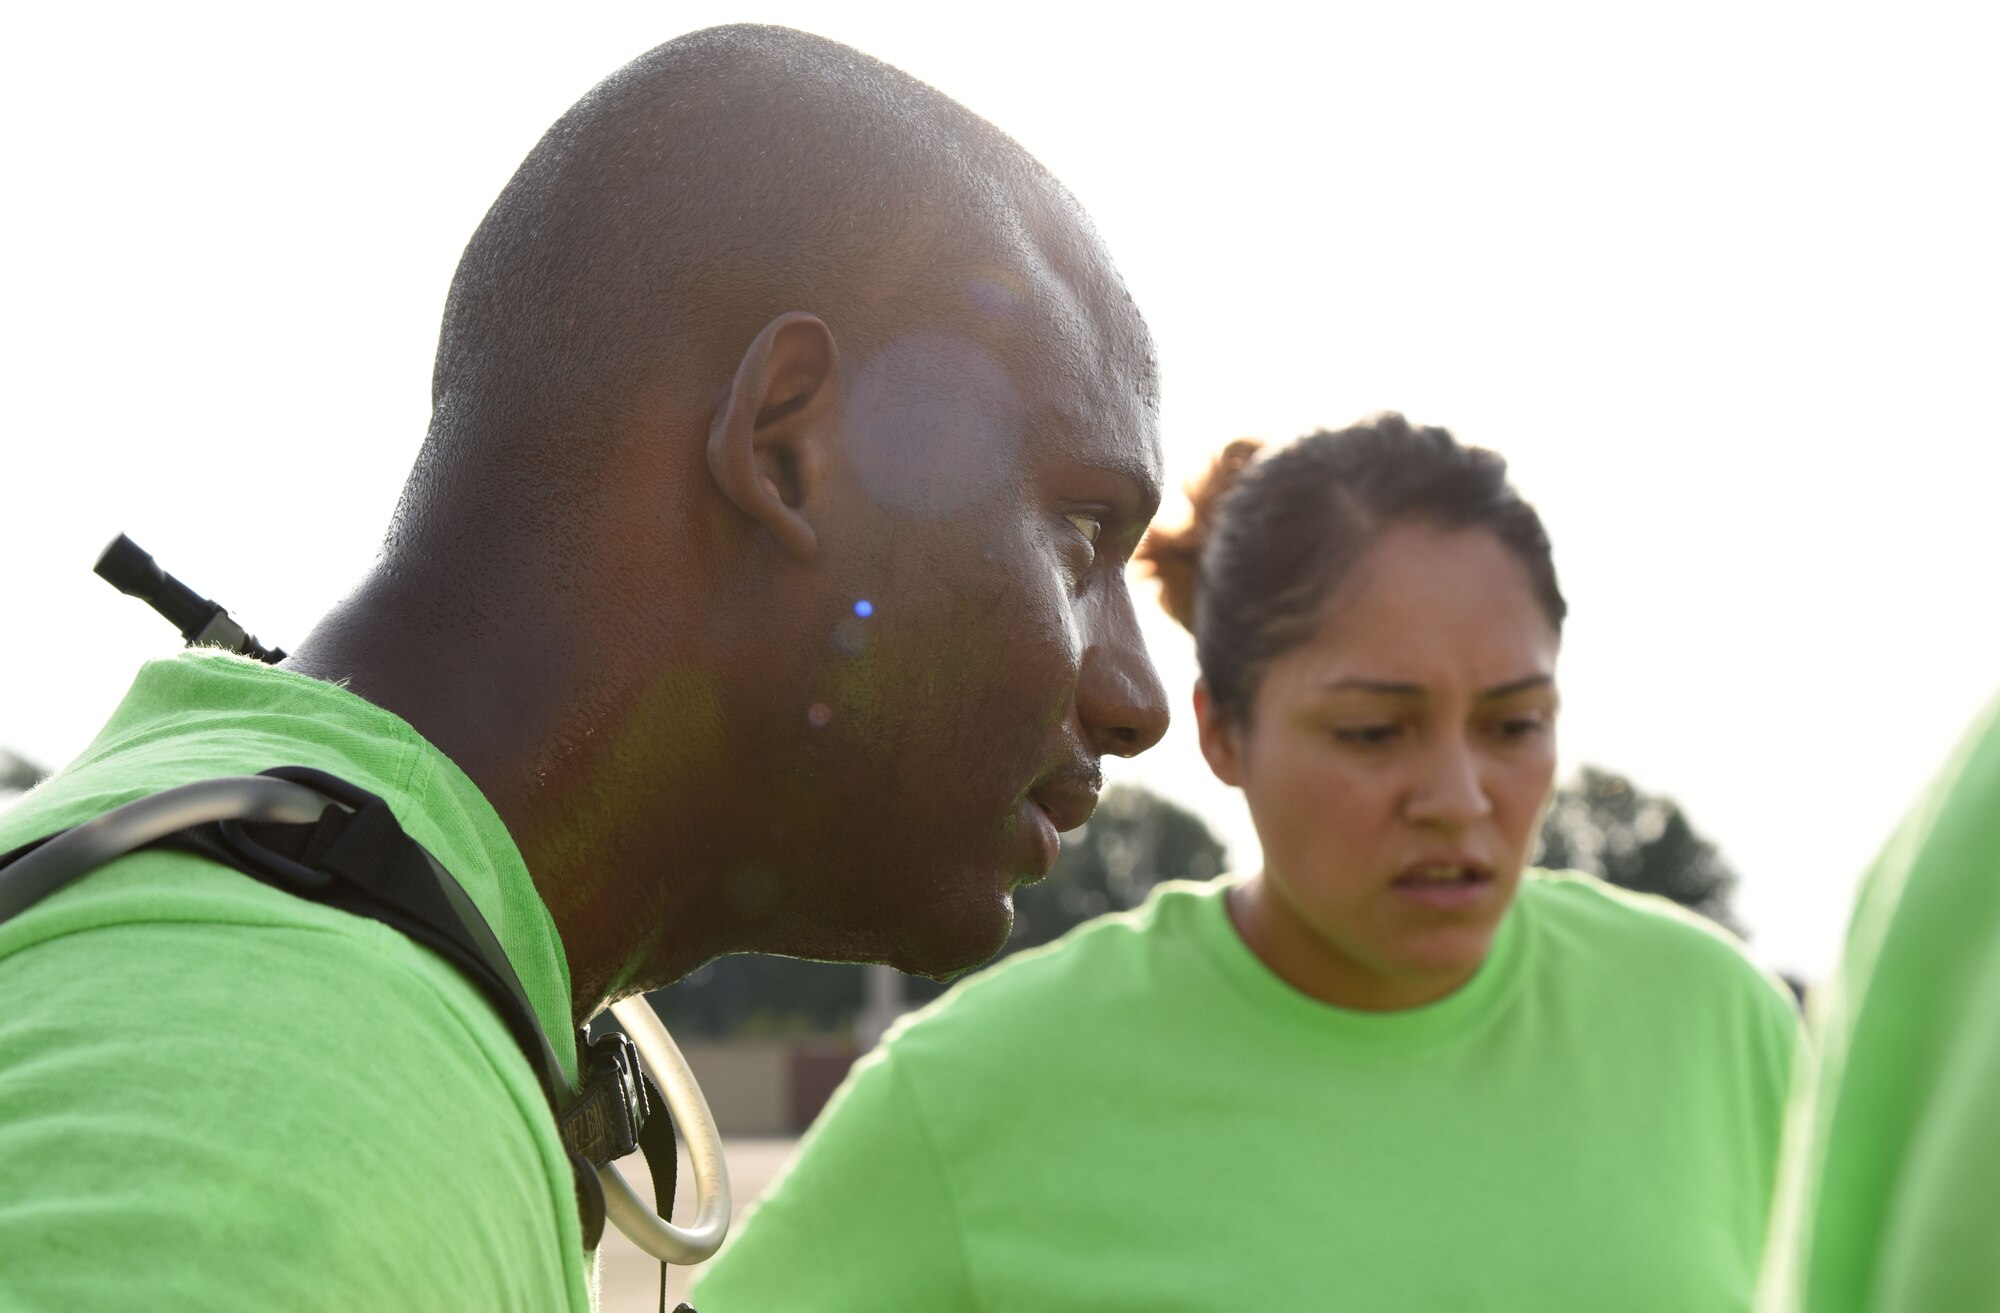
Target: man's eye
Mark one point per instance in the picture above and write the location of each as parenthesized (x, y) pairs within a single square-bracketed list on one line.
[(1366, 736), (1090, 526)]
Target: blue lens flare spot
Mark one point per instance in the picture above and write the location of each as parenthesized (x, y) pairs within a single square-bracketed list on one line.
[(864, 608)]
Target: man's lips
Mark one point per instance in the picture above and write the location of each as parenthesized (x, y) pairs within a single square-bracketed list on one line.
[(1043, 836), (1054, 806), (1067, 800)]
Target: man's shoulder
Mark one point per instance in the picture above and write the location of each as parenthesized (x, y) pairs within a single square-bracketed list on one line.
[(183, 1041), (257, 1100), (168, 951), (202, 716)]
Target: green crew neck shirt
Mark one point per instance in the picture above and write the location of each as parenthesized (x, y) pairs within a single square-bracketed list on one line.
[(217, 1096), (1143, 1117), (1893, 1188)]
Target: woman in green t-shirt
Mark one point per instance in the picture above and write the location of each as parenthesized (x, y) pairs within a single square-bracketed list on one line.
[(1394, 1070)]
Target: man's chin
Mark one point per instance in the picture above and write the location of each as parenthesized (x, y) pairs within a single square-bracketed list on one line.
[(955, 939)]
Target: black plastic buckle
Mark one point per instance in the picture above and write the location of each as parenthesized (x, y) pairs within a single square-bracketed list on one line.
[(602, 1123), (293, 877), (284, 871), (604, 1120)]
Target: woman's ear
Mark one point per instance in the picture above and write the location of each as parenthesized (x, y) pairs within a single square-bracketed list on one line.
[(765, 442), (1221, 742)]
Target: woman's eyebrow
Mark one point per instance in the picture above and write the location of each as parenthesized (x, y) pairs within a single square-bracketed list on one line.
[(1389, 688), (1393, 688), (1519, 686)]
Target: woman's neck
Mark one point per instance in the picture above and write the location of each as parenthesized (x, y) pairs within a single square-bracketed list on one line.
[(1307, 961)]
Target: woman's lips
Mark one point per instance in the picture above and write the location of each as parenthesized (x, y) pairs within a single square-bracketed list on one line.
[(1444, 886)]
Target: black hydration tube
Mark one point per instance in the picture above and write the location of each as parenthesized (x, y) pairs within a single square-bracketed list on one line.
[(130, 569)]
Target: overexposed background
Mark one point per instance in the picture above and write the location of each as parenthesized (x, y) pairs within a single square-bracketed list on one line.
[(1720, 279)]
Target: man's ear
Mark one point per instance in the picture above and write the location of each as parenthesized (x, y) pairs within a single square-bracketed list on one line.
[(764, 442), (1220, 741)]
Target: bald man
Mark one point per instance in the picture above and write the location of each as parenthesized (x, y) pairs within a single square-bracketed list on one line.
[(759, 587)]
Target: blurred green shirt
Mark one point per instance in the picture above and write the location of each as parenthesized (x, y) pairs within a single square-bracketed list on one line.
[(1143, 1117), (1893, 1195), (217, 1096)]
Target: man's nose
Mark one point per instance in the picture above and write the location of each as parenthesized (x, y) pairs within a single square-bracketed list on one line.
[(1119, 697)]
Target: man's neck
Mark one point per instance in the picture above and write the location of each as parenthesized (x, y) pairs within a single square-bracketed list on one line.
[(513, 716)]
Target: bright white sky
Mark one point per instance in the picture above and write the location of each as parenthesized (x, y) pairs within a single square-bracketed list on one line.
[(1720, 280)]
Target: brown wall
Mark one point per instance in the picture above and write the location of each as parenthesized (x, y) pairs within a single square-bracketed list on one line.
[(764, 1088)]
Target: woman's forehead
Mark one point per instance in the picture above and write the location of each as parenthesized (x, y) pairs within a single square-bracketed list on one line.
[(1429, 609)]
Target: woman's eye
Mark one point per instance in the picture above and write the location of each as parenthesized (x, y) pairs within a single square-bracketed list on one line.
[(1366, 736), (1090, 526), (1521, 727)]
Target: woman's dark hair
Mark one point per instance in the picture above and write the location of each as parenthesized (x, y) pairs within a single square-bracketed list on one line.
[(1275, 532)]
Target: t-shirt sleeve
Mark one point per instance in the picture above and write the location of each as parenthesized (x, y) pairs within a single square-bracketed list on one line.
[(315, 1128), (1786, 1045), (1937, 1253), (863, 1220)]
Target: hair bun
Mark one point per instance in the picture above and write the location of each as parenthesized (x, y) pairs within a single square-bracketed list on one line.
[(1173, 556)]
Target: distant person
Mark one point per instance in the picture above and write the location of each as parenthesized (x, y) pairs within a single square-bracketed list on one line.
[(1392, 1071), (760, 585), (1893, 1183)]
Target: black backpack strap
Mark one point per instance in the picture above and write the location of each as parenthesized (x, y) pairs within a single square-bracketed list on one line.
[(362, 862)]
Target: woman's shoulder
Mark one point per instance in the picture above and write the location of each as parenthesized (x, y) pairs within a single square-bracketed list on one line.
[(1104, 967), (1594, 925), (1617, 921)]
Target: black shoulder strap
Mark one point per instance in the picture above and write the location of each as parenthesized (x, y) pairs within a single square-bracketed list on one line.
[(360, 861)]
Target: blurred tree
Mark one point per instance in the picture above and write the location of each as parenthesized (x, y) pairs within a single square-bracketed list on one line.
[(1603, 824), (1135, 840)]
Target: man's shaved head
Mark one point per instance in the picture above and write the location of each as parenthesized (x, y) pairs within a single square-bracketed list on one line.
[(764, 561), (724, 178)]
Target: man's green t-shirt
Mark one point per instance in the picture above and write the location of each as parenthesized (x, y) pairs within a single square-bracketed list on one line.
[(1893, 1192), (1143, 1117), (217, 1096)]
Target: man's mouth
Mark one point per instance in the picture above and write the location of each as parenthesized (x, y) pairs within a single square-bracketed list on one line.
[(1054, 806), (1067, 801), (1044, 839)]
